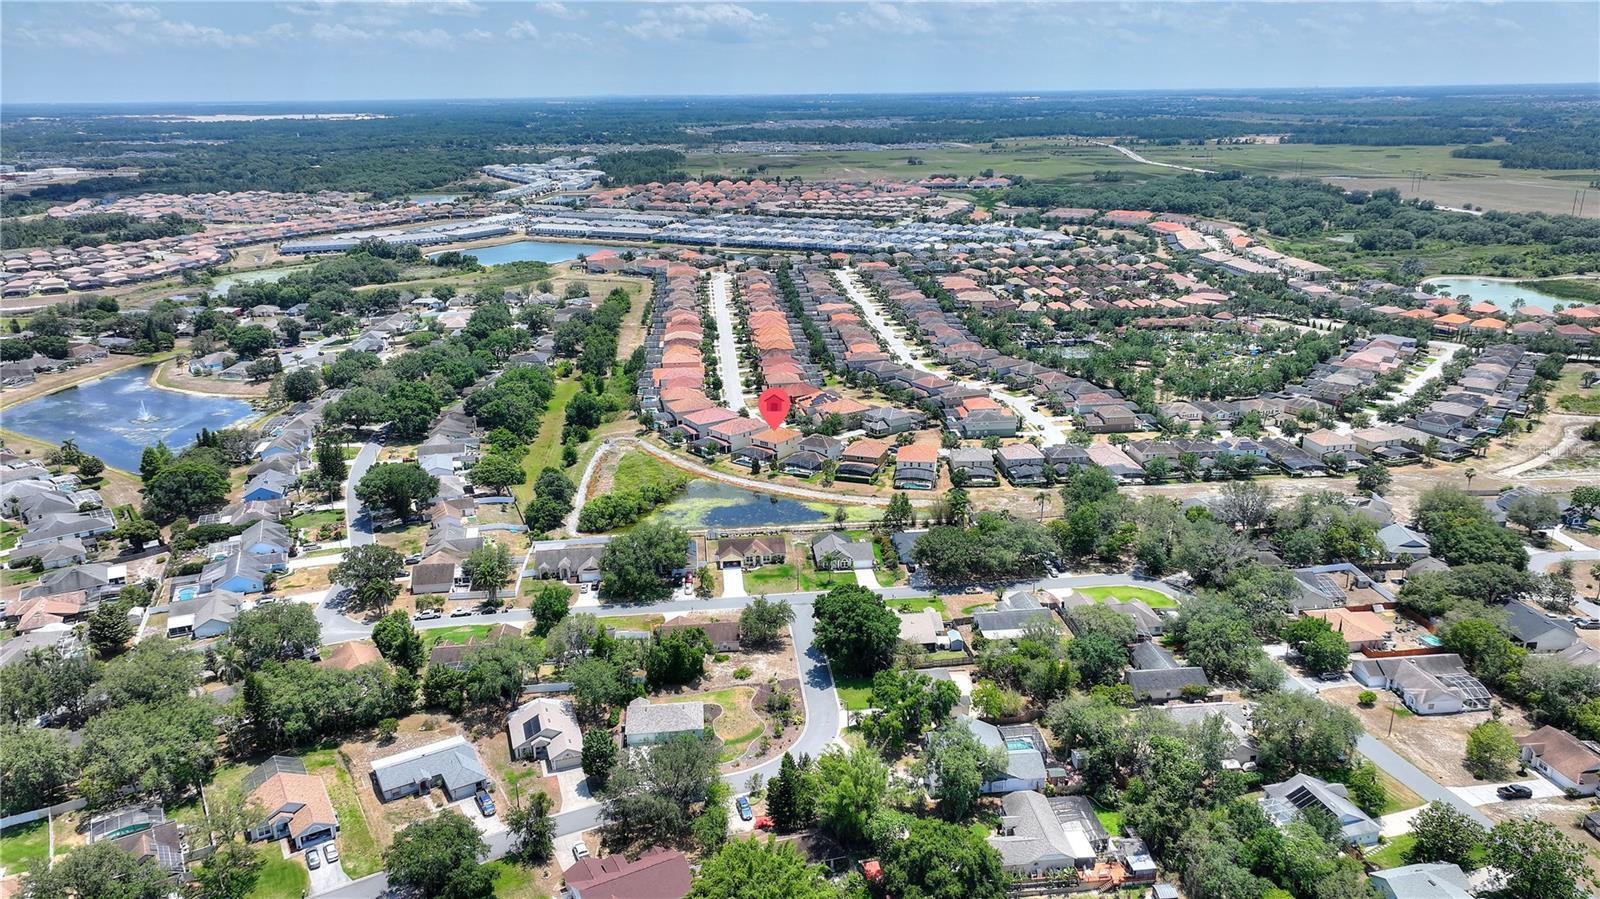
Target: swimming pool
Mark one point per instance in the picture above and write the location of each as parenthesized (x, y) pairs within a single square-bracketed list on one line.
[(1019, 744), (1430, 640), (184, 594)]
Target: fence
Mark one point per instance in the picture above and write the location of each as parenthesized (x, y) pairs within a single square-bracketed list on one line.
[(70, 805)]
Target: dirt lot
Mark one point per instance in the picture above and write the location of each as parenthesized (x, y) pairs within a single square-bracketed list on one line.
[(1434, 743), (387, 818), (748, 731), (306, 580), (1563, 813)]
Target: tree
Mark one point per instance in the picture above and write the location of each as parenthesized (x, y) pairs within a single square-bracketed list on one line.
[(899, 515), (1321, 649), (599, 757), (938, 860), (651, 797), (438, 857), (399, 487), (138, 532), (755, 869), (162, 749), (1217, 636), (250, 340), (371, 571), (103, 870), (228, 873), (1534, 511), (409, 407), (637, 565), (1492, 751), (109, 630), (331, 466), (850, 789), (497, 472), (1538, 860), (153, 460), (153, 670), (549, 606), (1098, 659), (959, 766), (190, 489), (532, 830), (763, 620), (855, 630), (489, 567), (790, 799), (1244, 504), (274, 632), (1298, 732), (597, 686), (1373, 479), (399, 642), (90, 466), (1444, 834), (302, 385), (35, 764), (676, 657)]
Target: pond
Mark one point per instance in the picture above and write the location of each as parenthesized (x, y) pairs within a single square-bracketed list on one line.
[(117, 416), (1500, 293), (221, 286), (434, 199), (713, 504), (531, 251)]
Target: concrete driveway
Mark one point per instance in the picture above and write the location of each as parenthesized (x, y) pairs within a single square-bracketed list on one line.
[(866, 577), (487, 826), (1483, 794), (329, 876), (733, 582)]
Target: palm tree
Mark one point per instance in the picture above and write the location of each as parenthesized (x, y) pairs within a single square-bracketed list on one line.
[(1041, 498), (1470, 473), (1594, 572)]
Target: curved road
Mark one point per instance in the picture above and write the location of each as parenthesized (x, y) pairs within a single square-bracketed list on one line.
[(1137, 158)]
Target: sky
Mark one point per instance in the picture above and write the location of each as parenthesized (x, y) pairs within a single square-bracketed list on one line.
[(429, 49)]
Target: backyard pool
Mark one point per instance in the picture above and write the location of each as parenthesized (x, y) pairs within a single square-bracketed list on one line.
[(1019, 744), (184, 594)]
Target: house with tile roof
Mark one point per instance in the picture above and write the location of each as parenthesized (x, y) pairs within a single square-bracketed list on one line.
[(298, 810), (657, 874)]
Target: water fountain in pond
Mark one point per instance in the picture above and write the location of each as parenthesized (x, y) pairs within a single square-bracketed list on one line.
[(145, 416)]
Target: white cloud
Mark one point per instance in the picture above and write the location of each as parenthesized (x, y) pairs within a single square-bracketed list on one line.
[(429, 37), (727, 23), (522, 31), (130, 12), (339, 32), (559, 10), (888, 17)]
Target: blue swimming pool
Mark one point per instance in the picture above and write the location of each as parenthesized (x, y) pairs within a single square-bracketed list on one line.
[(183, 594), (1019, 744)]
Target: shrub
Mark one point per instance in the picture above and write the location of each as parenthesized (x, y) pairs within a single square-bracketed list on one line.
[(742, 672), (1367, 699)]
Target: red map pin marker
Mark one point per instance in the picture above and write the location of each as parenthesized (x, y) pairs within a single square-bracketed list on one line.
[(774, 406)]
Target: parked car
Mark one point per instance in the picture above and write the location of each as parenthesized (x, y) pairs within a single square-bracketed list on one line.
[(426, 615), (330, 852), (1590, 624), (313, 860), (580, 852), (1330, 676), (414, 559), (1514, 791), (461, 612), (485, 803), (743, 805)]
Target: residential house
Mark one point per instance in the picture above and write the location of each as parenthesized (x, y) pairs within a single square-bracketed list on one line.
[(646, 723), (546, 730), (1033, 842), (1402, 544), (1360, 630), (972, 467), (433, 577), (886, 421), (1235, 718), (1429, 880), (1428, 685), (916, 467), (573, 561), (924, 628), (205, 616), (1157, 677), (1284, 801), (657, 874), (1022, 463), (269, 484), (450, 764), (298, 810), (1536, 632), (834, 551), (1012, 616), (1570, 763), (1025, 769), (752, 552)]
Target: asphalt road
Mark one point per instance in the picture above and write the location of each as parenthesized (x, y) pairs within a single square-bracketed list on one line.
[(358, 521), (733, 395)]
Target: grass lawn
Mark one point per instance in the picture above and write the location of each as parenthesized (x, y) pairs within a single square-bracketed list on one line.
[(1151, 598), (738, 724), (916, 604), (638, 469), (545, 451), (1110, 820), (314, 520), (16, 576), (512, 881), (770, 579), (1392, 853), (634, 622), (280, 878), (854, 692), (8, 534), (24, 844), (811, 579), (460, 633), (358, 848)]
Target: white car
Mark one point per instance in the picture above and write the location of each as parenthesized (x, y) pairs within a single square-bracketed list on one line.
[(580, 852), (461, 612)]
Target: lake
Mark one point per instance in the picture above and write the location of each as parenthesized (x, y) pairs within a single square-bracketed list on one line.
[(713, 504), (221, 286), (99, 415), (434, 199), (531, 251), (1500, 293)]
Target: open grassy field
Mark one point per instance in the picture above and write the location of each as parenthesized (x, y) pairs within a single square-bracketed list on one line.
[(24, 844), (1151, 598), (1445, 179), (1031, 158), (546, 447)]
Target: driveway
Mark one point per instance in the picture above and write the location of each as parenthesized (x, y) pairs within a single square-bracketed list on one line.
[(868, 578), (574, 786), (329, 876), (495, 824), (733, 582), (357, 520), (1483, 794)]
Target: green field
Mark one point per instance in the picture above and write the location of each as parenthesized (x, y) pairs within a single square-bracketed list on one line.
[(1036, 159), (279, 877), (1151, 598), (545, 451), (854, 692), (459, 633), (315, 520), (24, 844), (638, 469)]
